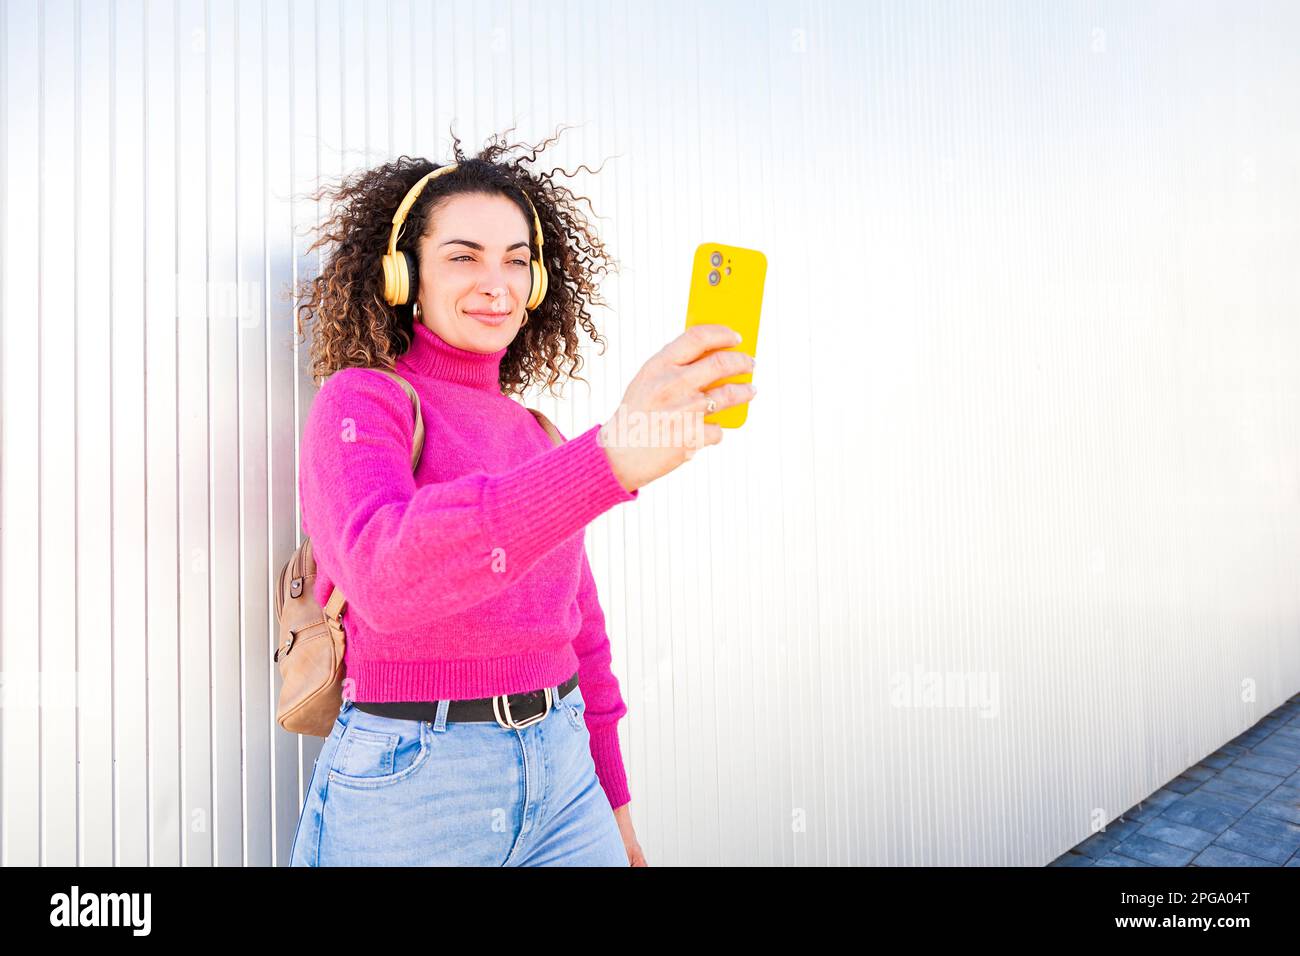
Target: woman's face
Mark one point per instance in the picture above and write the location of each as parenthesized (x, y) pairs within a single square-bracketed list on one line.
[(475, 259)]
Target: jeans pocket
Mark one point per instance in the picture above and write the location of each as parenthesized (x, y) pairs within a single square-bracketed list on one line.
[(379, 751)]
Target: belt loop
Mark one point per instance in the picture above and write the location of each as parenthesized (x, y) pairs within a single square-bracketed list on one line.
[(440, 721)]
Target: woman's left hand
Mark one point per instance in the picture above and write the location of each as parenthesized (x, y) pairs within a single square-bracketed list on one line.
[(624, 817)]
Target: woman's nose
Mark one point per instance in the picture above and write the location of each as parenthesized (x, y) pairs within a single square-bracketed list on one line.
[(499, 294)]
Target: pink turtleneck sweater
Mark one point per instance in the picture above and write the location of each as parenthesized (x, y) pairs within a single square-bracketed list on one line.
[(469, 578)]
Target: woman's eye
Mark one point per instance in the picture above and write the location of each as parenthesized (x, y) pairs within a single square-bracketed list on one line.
[(522, 262)]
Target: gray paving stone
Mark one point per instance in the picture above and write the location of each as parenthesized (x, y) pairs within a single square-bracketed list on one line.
[(1114, 859), (1122, 827), (1163, 797), (1274, 747), (1176, 834), (1265, 837), (1097, 845), (1219, 856), (1142, 813), (1155, 852), (1250, 737), (1240, 782), (1227, 802), (1286, 791), (1192, 813), (1278, 809), (1271, 765), (1216, 761), (1181, 784)]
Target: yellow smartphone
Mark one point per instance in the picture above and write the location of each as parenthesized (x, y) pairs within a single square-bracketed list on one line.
[(727, 289)]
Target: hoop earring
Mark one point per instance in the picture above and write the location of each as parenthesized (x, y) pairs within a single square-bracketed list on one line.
[(415, 312)]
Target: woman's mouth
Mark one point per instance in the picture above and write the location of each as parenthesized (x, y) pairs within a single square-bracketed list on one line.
[(490, 318)]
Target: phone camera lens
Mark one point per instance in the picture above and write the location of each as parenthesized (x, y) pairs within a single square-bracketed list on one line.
[(715, 259), (714, 278)]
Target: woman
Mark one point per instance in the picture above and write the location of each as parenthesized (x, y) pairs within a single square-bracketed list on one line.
[(479, 721)]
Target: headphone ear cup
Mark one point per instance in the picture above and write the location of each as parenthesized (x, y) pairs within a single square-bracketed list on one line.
[(398, 276), (538, 285), (389, 267), (412, 278)]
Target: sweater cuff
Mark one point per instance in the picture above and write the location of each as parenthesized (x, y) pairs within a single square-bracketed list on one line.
[(532, 508), (608, 758)]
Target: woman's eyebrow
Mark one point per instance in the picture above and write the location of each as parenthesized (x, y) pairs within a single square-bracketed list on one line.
[(478, 246)]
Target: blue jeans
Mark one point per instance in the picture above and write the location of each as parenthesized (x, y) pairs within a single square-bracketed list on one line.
[(392, 792)]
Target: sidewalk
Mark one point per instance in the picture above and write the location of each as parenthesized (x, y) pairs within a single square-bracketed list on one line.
[(1240, 806)]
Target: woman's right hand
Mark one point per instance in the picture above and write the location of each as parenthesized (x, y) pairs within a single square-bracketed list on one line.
[(660, 422)]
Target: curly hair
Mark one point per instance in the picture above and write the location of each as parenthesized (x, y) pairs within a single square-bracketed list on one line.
[(355, 326)]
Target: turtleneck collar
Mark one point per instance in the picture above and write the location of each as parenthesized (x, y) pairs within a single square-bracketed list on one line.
[(430, 354)]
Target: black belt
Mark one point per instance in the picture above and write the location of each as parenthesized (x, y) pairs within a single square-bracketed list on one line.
[(512, 710)]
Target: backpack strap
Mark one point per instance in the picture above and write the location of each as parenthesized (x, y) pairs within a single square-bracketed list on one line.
[(546, 424), (417, 444), (337, 602)]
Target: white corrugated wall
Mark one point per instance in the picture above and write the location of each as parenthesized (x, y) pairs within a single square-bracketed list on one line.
[(1012, 534)]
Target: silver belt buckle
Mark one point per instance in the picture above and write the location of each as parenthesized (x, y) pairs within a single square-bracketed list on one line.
[(501, 701)]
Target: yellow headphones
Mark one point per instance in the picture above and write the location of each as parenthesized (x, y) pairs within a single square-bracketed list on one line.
[(398, 267)]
